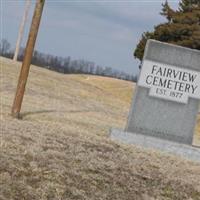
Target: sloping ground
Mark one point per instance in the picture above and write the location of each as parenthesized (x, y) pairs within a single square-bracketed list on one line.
[(61, 149), (197, 132)]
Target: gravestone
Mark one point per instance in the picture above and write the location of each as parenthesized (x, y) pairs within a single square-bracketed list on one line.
[(167, 97), (166, 101)]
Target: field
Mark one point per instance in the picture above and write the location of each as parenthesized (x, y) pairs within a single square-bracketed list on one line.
[(60, 149)]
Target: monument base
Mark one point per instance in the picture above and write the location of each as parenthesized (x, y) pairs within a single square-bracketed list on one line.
[(182, 150)]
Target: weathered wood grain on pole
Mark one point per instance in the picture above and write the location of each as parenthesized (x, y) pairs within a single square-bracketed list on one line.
[(27, 58), (21, 29)]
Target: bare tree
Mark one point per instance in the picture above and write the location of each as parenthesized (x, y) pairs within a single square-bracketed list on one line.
[(21, 29), (4, 47)]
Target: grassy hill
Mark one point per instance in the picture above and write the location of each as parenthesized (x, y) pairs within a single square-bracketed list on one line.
[(61, 149)]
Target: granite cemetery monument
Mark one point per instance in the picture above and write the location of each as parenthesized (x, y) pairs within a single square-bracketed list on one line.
[(165, 105)]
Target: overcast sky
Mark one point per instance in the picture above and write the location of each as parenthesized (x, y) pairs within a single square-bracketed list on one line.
[(105, 32)]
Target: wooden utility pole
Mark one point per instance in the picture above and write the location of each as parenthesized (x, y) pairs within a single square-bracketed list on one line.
[(27, 58), (21, 29)]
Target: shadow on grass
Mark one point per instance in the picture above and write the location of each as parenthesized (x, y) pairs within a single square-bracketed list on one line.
[(37, 112), (25, 114)]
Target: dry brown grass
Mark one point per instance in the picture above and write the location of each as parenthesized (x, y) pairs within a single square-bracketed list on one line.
[(61, 149)]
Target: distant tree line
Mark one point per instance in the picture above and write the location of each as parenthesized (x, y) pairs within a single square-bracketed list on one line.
[(65, 65)]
